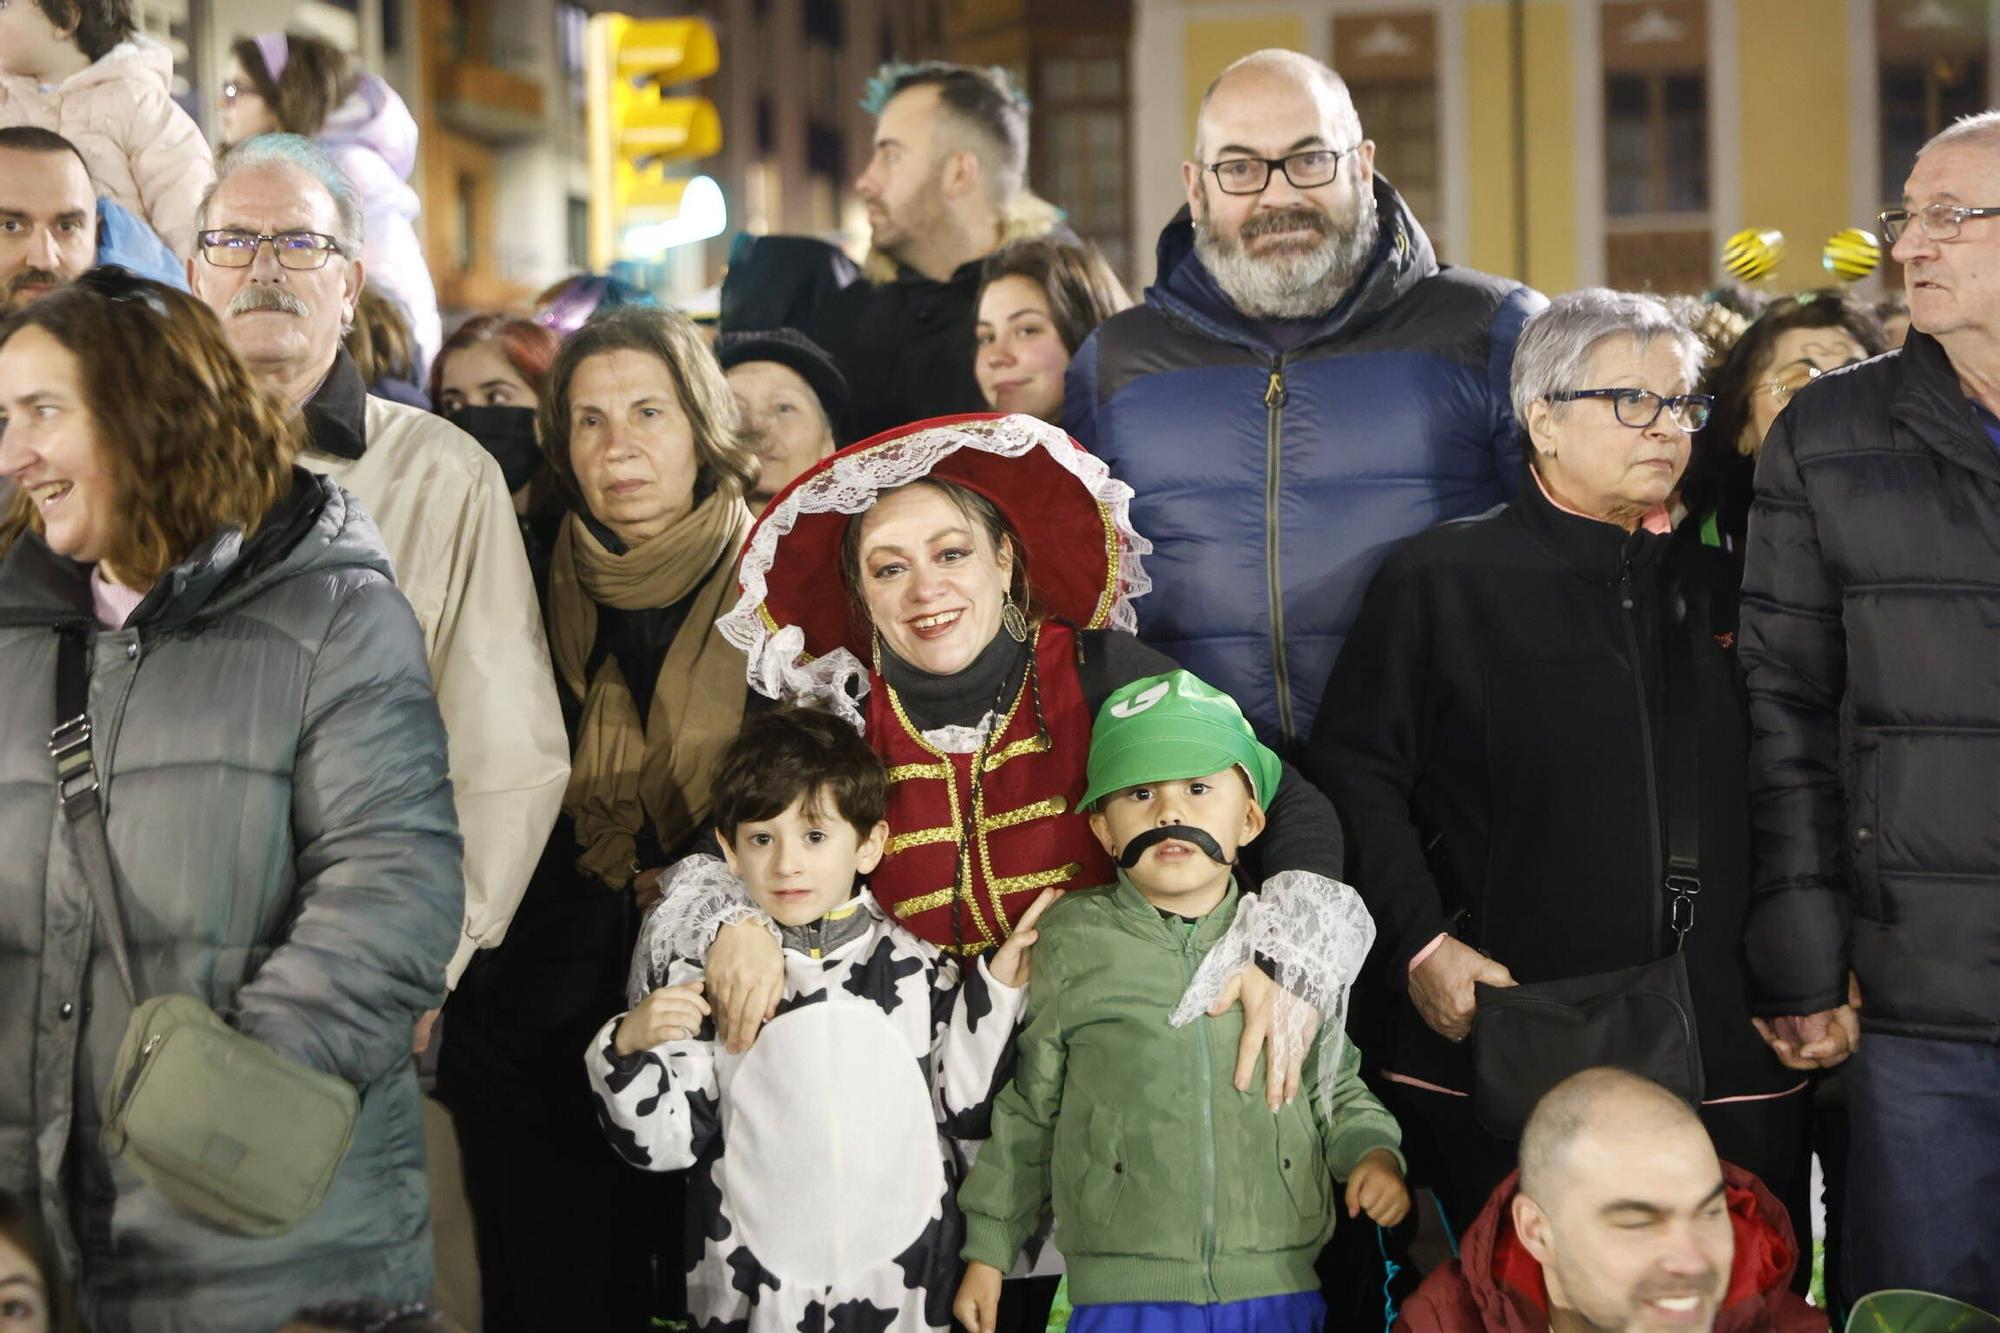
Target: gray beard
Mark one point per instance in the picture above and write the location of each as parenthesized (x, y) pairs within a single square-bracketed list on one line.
[(1292, 284)]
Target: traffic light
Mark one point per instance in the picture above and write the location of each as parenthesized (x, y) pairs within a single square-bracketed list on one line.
[(635, 127)]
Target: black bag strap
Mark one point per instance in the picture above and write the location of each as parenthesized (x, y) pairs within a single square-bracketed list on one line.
[(77, 793), (1683, 869)]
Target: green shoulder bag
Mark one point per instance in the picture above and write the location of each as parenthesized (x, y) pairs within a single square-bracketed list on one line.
[(218, 1122)]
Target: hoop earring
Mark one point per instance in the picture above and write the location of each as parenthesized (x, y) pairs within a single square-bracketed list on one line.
[(1013, 621)]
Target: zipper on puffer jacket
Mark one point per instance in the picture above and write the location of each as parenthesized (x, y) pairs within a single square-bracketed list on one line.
[(1205, 1071), (1656, 867), (1275, 395)]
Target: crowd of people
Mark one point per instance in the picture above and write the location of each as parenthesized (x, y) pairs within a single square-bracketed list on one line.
[(958, 781)]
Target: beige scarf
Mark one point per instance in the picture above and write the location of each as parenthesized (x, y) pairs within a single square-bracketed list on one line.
[(626, 772)]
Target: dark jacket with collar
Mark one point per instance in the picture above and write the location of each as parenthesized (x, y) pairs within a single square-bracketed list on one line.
[(280, 822), (1870, 600), (1495, 739), (1272, 480), (905, 347)]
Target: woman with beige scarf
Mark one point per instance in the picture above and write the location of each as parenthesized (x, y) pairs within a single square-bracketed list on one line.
[(640, 432)]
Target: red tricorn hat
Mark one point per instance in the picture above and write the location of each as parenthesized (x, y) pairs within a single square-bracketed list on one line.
[(795, 619)]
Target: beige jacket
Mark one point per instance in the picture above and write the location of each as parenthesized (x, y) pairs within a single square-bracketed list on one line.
[(449, 525), (143, 151)]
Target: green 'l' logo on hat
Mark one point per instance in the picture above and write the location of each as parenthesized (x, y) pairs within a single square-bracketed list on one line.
[(1172, 727)]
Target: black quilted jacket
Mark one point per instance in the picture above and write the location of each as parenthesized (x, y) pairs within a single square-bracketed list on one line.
[(1871, 635)]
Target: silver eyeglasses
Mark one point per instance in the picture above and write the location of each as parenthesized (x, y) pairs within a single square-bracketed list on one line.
[(1939, 221)]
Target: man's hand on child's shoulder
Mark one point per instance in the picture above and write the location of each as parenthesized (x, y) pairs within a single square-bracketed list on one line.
[(671, 1013), (1009, 963), (1376, 1187), (978, 1303)]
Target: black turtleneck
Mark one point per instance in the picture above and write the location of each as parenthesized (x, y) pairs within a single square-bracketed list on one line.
[(985, 684)]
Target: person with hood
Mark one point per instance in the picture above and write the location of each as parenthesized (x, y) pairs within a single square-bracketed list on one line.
[(276, 803), (80, 69), (1621, 1216), (304, 85), (943, 189), (1304, 386)]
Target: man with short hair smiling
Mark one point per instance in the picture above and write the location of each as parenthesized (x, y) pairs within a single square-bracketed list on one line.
[(1304, 386), (277, 260), (1620, 1218)]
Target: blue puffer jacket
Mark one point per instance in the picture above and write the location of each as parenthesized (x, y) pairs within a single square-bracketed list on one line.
[(1272, 480)]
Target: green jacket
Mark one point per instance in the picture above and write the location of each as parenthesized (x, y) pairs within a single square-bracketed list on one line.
[(1168, 1183)]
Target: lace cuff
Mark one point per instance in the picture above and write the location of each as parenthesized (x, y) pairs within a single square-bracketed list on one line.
[(698, 897), (1312, 933)]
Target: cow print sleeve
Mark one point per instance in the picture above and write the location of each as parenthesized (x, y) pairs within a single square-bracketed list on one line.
[(972, 1044), (657, 1107)]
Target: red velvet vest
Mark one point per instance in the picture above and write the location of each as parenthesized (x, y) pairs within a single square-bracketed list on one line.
[(968, 852)]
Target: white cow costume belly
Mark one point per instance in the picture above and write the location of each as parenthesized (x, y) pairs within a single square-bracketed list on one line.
[(823, 1176)]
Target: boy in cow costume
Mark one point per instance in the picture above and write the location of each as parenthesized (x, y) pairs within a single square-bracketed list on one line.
[(822, 1176)]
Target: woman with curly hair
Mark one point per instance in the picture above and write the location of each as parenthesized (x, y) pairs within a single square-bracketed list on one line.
[(277, 812)]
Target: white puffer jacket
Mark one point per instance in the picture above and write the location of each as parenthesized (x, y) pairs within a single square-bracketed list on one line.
[(143, 151)]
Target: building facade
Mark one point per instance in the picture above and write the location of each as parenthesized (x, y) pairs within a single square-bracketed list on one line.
[(1569, 142)]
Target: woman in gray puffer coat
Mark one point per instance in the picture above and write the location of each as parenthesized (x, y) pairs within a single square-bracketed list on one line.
[(277, 807)]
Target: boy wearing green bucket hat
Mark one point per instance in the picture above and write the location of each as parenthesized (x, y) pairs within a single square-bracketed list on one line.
[(1172, 1188)]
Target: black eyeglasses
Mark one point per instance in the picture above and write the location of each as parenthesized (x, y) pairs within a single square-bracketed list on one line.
[(233, 90), (1306, 171), (1940, 222), (1640, 408), (114, 283), (229, 248)]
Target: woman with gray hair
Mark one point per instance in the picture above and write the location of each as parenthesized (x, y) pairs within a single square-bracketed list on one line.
[(1537, 742)]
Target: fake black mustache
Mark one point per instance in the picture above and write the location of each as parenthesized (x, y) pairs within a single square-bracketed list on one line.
[(1188, 833)]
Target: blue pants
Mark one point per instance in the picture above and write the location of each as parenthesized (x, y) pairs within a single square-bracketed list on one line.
[(1923, 1185), (1300, 1312)]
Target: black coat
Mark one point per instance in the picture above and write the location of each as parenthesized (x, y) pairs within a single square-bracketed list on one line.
[(1871, 635), (905, 347), (1494, 739)]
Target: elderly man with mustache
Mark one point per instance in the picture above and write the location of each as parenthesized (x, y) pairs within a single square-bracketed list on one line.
[(1304, 386), (278, 259)]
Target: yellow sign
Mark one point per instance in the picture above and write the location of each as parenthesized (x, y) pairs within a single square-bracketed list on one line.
[(634, 127)]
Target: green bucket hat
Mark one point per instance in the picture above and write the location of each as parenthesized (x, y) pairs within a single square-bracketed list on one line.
[(1167, 728)]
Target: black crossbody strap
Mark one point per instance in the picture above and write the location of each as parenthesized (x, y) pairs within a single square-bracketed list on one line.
[(1683, 870), (77, 792)]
